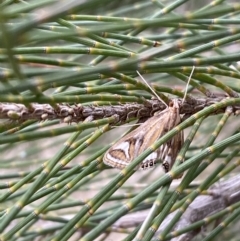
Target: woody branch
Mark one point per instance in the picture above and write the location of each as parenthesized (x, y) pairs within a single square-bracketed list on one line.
[(77, 112)]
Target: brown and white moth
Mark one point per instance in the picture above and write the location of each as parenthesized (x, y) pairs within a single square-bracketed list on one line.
[(133, 144)]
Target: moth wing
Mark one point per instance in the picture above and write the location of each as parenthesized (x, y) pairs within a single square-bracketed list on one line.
[(167, 152), (134, 143), (137, 141), (171, 151)]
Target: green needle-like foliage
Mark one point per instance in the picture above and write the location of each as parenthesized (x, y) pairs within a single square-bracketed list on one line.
[(69, 89)]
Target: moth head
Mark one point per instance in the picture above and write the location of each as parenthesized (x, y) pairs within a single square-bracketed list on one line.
[(174, 105), (171, 104)]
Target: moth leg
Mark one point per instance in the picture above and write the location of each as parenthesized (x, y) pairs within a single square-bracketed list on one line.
[(131, 114), (118, 120), (142, 120)]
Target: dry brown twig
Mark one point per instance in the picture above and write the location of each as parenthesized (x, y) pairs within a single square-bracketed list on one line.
[(77, 112)]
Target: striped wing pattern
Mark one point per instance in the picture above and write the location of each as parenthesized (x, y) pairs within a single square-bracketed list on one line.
[(134, 143)]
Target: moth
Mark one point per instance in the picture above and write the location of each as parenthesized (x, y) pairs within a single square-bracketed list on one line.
[(134, 143)]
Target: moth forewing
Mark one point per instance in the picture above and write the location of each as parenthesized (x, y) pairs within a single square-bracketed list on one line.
[(133, 144), (173, 150)]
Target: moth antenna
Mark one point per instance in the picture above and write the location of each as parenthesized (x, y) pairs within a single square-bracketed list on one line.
[(151, 89), (188, 82), (130, 125)]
